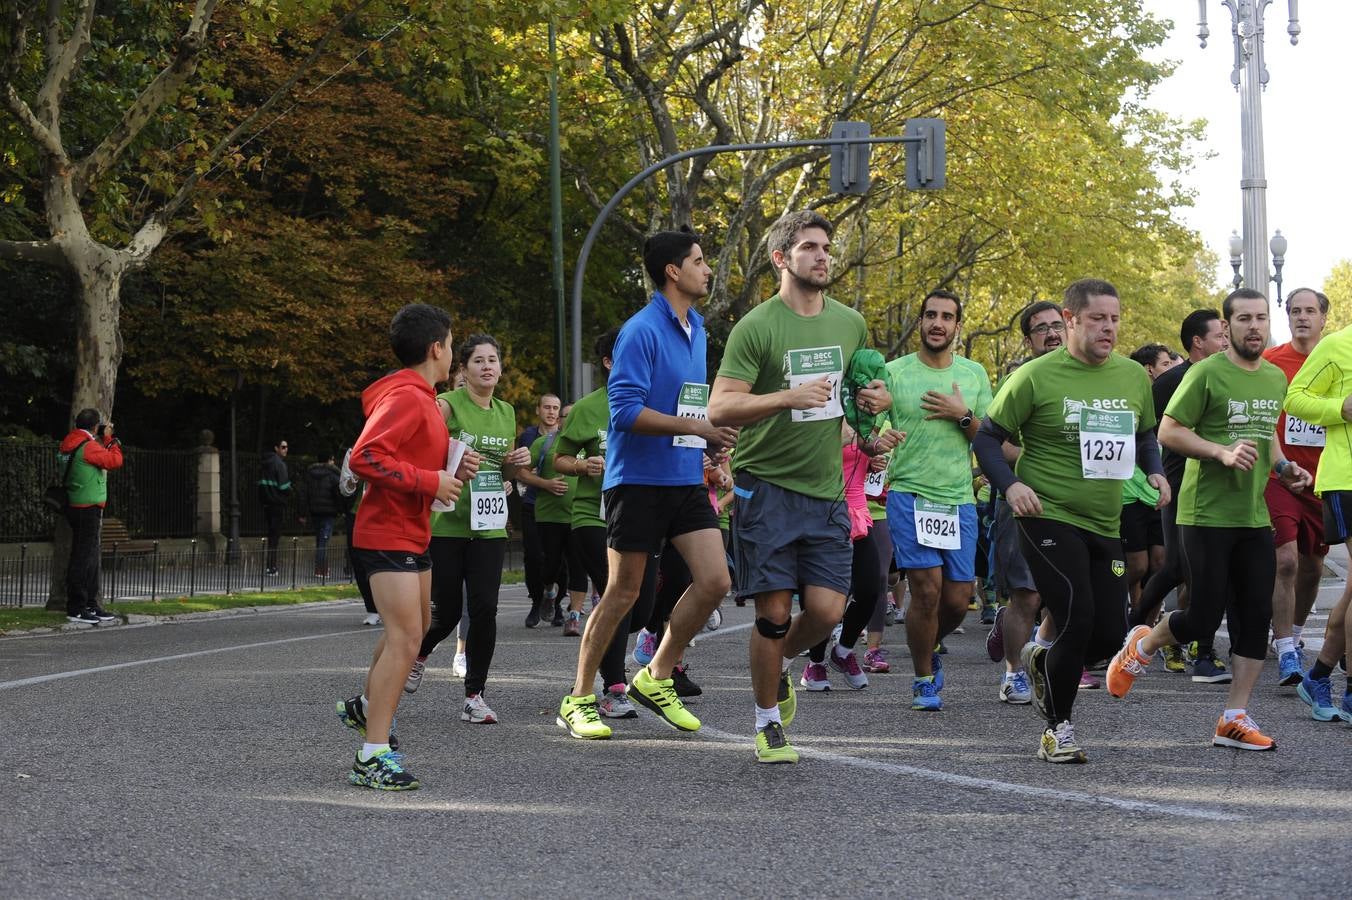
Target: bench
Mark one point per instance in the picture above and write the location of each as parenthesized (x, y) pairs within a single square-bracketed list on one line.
[(115, 533)]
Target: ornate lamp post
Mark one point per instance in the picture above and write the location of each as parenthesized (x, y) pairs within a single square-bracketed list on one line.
[(1236, 257), (1278, 247), (1249, 75)]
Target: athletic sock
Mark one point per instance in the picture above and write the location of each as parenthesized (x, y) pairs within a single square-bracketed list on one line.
[(1232, 714), (364, 704), (785, 663), (1141, 650), (1296, 632), (1044, 644), (370, 750), (841, 652), (766, 716), (1284, 645), (1320, 669)]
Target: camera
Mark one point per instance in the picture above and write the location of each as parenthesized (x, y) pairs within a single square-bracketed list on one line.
[(99, 431)]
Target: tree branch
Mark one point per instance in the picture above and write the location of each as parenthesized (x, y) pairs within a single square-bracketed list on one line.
[(41, 134), (62, 63), (227, 143), (47, 252), (163, 88)]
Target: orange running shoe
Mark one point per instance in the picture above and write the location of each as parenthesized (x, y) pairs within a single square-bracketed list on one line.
[(1241, 733), (1127, 663)]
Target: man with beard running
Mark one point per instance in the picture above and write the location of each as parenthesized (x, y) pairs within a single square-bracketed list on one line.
[(1084, 419), (938, 400), (1224, 420), (1202, 334)]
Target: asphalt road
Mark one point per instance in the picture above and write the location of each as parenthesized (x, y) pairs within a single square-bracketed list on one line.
[(204, 757)]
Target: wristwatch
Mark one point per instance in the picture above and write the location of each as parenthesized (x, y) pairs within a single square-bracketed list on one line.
[(966, 421)]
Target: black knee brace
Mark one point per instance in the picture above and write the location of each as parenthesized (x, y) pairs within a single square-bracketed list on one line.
[(772, 630)]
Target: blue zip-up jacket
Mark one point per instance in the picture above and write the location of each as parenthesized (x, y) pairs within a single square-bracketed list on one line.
[(652, 359)]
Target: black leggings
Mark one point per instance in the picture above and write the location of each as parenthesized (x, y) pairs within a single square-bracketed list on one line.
[(561, 565), (866, 587), (589, 547), (1162, 581), (466, 572), (1230, 573), (1081, 577)]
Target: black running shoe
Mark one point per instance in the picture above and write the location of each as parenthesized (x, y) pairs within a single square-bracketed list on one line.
[(103, 614), (384, 772), (352, 715), (533, 617), (88, 617), (558, 615), (680, 680)]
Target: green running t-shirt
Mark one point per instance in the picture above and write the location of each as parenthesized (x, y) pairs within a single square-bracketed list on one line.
[(548, 507), (583, 435), (1223, 403), (934, 460), (490, 432), (773, 348), (1040, 405)]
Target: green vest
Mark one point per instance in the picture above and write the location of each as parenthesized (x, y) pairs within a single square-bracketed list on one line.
[(88, 484)]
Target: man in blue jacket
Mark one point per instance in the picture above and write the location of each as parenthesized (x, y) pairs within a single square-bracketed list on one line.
[(653, 492)]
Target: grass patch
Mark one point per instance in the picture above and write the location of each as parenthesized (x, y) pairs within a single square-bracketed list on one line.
[(25, 618)]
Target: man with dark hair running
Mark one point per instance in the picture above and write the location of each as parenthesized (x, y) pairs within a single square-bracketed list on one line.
[(781, 379), (653, 492), (1224, 420), (1084, 419), (1202, 334)]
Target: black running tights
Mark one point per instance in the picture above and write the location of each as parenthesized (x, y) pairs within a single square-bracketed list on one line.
[(866, 587), (1230, 573), (466, 571), (1081, 577)]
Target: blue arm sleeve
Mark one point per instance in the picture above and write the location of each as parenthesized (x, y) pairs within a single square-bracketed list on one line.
[(630, 375)]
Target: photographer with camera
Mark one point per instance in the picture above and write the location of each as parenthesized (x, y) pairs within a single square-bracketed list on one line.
[(87, 454)]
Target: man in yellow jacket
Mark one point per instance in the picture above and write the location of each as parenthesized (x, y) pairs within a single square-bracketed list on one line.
[(1321, 394)]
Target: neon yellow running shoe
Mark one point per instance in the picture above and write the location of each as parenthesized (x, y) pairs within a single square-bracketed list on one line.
[(788, 699), (660, 697), (773, 747), (578, 715)]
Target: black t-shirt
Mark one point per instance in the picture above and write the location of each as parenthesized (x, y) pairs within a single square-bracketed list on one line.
[(1162, 391)]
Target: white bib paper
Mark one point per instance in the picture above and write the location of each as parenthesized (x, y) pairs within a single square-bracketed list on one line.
[(936, 525), (1300, 433), (1107, 444), (693, 403), (876, 483), (454, 453), (810, 365), (488, 502)]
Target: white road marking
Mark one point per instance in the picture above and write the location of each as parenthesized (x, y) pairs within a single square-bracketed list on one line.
[(76, 673), (1042, 794)]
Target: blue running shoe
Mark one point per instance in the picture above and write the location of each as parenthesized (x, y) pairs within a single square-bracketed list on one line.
[(1345, 711), (1289, 670), (1318, 695), (645, 647), (925, 695), (937, 667)]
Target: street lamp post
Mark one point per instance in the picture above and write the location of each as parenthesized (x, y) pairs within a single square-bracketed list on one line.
[(1278, 247), (1236, 257), (1249, 75)]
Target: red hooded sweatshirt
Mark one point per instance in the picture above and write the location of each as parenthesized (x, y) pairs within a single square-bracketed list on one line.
[(399, 455)]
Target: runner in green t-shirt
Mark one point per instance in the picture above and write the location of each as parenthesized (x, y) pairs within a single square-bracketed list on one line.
[(469, 543), (581, 453), (1223, 418), (781, 380), (1084, 419), (938, 399), (554, 520)]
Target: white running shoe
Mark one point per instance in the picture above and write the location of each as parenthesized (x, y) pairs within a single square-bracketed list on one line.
[(415, 676), (460, 667), (371, 619), (615, 704), (476, 711)]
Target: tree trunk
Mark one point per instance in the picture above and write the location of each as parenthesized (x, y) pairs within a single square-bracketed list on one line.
[(96, 273)]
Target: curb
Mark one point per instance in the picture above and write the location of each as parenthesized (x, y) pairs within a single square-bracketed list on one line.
[(140, 621)]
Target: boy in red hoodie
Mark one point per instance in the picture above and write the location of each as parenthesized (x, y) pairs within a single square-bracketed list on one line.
[(401, 455), (86, 455)]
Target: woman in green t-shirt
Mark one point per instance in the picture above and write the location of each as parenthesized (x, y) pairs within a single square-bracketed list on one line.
[(469, 543)]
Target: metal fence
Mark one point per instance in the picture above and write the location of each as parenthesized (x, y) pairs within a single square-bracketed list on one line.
[(251, 520), (154, 493), (25, 577)]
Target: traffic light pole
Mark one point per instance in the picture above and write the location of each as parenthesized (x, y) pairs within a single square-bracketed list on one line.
[(927, 154)]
